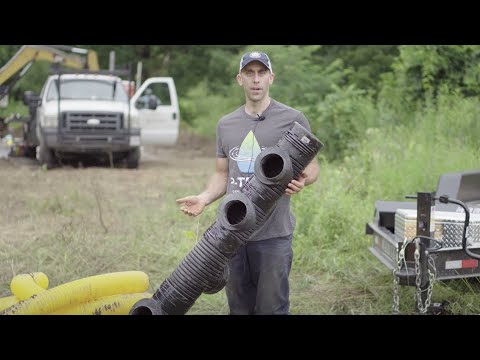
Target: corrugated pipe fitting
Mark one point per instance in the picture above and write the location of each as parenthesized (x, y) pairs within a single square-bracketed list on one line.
[(204, 269), (236, 212), (225, 241), (221, 284), (274, 167), (147, 307), (301, 146), (263, 197)]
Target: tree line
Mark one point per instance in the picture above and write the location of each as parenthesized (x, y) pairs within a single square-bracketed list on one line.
[(343, 89)]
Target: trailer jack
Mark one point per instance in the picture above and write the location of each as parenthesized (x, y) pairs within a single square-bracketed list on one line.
[(415, 266)]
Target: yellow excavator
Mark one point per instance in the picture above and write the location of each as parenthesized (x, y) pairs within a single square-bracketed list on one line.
[(58, 55)]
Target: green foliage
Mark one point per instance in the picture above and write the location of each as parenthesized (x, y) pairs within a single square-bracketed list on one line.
[(421, 70), (342, 119), (205, 103), (14, 107), (6, 52), (190, 64), (33, 80), (368, 62), (301, 80), (201, 109)]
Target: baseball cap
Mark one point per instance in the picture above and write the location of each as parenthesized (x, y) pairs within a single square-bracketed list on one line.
[(255, 56)]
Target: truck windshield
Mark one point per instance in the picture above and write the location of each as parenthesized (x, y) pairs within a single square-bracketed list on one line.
[(87, 90)]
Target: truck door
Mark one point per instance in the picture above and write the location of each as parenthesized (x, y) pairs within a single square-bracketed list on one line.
[(159, 126)]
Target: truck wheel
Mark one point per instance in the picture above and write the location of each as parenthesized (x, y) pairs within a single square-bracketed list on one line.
[(30, 152), (133, 158), (46, 156)]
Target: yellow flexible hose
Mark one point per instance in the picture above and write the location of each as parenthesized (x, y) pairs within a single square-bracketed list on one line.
[(24, 286), (108, 305), (81, 291), (8, 301)]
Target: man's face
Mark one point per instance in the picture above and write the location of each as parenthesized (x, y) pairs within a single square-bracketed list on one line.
[(256, 80)]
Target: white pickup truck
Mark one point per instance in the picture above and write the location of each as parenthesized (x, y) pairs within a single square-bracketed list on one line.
[(94, 116)]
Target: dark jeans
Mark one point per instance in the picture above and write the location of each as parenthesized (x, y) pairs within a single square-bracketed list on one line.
[(258, 280)]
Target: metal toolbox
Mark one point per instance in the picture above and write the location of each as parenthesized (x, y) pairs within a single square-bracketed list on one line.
[(448, 228)]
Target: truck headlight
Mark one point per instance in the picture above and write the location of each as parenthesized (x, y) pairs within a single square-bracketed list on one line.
[(50, 120)]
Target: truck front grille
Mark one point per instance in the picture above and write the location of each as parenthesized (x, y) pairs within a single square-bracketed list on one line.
[(91, 122)]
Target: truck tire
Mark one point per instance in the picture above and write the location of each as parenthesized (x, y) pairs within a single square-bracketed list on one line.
[(133, 158), (30, 152), (46, 156)]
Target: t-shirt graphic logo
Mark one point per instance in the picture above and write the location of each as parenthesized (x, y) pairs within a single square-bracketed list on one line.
[(246, 154)]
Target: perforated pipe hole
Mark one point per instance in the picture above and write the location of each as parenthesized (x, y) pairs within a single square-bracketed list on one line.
[(141, 310), (235, 212), (272, 165)]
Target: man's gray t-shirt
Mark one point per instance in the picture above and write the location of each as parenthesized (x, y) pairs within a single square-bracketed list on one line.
[(240, 138)]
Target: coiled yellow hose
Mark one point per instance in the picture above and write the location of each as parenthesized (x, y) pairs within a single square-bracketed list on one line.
[(108, 305), (8, 301), (24, 286), (81, 291)]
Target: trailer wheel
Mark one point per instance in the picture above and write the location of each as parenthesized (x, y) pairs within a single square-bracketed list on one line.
[(133, 158)]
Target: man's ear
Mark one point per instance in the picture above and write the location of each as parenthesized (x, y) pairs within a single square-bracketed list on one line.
[(239, 80), (272, 77)]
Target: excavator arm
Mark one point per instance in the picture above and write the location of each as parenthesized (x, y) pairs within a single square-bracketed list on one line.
[(19, 64)]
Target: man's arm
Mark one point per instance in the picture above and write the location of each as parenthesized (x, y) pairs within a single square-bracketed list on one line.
[(216, 188), (307, 177), (311, 172)]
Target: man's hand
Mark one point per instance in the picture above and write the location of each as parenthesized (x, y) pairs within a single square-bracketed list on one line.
[(295, 186), (192, 205)]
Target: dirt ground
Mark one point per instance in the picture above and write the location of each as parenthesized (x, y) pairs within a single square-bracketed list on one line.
[(162, 171), (189, 153), (185, 154)]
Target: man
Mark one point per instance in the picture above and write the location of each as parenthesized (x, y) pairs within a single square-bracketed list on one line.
[(258, 281)]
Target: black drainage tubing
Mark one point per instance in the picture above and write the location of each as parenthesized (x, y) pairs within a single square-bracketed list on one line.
[(204, 269)]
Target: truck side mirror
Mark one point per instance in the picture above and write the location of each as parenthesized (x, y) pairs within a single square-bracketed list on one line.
[(30, 99), (26, 97)]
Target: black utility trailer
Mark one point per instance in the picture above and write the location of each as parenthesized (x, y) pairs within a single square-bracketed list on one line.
[(427, 239)]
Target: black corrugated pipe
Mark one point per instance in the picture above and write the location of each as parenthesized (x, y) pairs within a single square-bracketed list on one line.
[(204, 269)]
